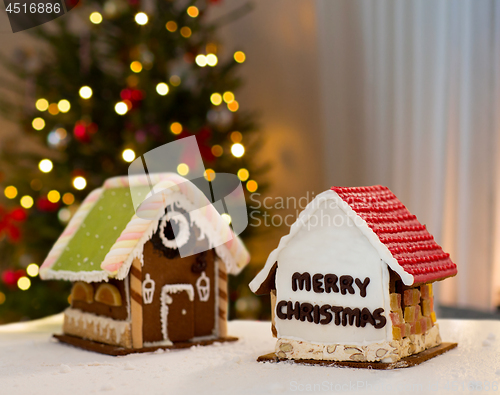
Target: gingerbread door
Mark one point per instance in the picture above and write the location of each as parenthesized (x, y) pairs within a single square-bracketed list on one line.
[(177, 312)]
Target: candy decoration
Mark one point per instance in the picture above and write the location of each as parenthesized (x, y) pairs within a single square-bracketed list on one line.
[(83, 292), (136, 302), (223, 300)]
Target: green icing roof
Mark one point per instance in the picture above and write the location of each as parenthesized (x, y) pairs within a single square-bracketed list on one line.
[(98, 232)]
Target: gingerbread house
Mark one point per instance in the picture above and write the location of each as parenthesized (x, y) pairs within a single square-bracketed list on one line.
[(352, 281), (132, 289)]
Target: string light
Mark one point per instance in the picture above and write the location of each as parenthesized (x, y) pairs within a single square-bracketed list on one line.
[(2, 298), (64, 215), (53, 109), (79, 183), (24, 283), (186, 32), (162, 88), (136, 66), (26, 201), (237, 150), (141, 18), (236, 137), (226, 218), (10, 192), (252, 186), (42, 104), (85, 92), (95, 18), (45, 165), (217, 150), (216, 99), (211, 59), (32, 270), (63, 105), (175, 80), (38, 123), (128, 155), (176, 128), (171, 26), (182, 169), (243, 174), (68, 198), (121, 108), (201, 60), (209, 175), (53, 196), (233, 106), (228, 97), (239, 56), (193, 11)]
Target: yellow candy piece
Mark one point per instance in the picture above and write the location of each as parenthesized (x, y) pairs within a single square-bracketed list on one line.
[(396, 332), (83, 292), (433, 317), (395, 302), (108, 294)]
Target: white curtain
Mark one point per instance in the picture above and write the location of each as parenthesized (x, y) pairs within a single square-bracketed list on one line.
[(410, 99)]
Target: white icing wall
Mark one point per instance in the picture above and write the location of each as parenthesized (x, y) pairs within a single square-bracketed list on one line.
[(341, 249)]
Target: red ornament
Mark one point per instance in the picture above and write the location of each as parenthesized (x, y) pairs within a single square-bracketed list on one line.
[(43, 204), (9, 223), (10, 276), (202, 137), (84, 130)]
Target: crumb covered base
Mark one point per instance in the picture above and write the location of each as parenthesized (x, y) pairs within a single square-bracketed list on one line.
[(405, 362), (387, 352)]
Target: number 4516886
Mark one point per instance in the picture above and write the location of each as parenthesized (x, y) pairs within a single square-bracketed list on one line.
[(34, 8)]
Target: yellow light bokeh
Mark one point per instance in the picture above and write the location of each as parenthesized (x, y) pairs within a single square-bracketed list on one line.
[(128, 155), (186, 32), (217, 150), (176, 128), (175, 80), (182, 169), (85, 92), (209, 175), (42, 104), (63, 105), (23, 283), (252, 186), (95, 18), (228, 97), (193, 11), (233, 106), (237, 150), (79, 183), (216, 99), (211, 59), (243, 174), (32, 270), (2, 298), (162, 88), (26, 201), (236, 137), (121, 108), (53, 196), (136, 66), (68, 198), (141, 18), (53, 109), (10, 192), (201, 60), (171, 26), (239, 56), (45, 165), (226, 217), (38, 123)]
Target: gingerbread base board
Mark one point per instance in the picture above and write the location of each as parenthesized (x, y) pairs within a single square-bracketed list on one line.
[(117, 350), (412, 360)]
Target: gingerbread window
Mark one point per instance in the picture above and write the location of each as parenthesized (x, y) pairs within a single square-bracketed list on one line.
[(83, 292), (108, 294)]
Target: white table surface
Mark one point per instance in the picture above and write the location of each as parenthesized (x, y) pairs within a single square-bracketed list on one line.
[(31, 362)]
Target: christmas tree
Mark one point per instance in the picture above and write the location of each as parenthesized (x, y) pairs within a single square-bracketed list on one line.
[(134, 76)]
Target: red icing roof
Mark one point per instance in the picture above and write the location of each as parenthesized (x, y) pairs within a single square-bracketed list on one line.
[(407, 239)]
